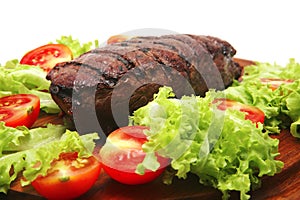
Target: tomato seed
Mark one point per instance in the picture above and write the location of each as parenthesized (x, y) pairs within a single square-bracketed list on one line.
[(3, 116)]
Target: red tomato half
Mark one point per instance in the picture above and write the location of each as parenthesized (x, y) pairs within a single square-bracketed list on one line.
[(68, 178), (19, 110), (252, 113), (274, 83), (47, 56), (123, 152)]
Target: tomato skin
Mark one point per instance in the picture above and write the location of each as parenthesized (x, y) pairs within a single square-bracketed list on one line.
[(117, 38), (47, 56), (19, 110), (274, 83), (123, 152), (129, 178), (67, 182), (252, 113)]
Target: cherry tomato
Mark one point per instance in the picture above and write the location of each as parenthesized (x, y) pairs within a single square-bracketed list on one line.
[(69, 177), (122, 153), (117, 38), (252, 113), (19, 110), (274, 83), (47, 56)]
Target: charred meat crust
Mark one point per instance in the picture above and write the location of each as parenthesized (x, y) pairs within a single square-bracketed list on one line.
[(127, 74)]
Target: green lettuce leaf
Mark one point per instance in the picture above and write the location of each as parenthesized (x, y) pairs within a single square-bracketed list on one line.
[(76, 47), (267, 70), (222, 148), (16, 78), (22, 138), (24, 162), (281, 106), (290, 105)]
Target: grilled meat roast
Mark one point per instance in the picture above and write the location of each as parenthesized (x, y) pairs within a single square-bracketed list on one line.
[(100, 88)]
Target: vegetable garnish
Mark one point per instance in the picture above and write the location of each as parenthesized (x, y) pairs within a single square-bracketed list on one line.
[(47, 56), (29, 153), (252, 113), (117, 38), (76, 46), (25, 79), (19, 109), (69, 177), (222, 148), (279, 102), (36, 159), (22, 138), (121, 154)]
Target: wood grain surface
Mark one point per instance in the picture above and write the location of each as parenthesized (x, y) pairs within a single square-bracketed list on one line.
[(285, 185)]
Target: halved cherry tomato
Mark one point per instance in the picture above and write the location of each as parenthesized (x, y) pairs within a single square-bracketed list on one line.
[(69, 177), (122, 153), (117, 38), (47, 56), (252, 113), (19, 110), (274, 83)]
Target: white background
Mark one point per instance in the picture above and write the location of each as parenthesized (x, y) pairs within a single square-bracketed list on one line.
[(260, 30)]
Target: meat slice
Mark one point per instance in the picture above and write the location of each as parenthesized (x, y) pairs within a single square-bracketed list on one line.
[(99, 89)]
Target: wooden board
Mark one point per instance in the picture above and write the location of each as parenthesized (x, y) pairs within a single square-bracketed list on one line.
[(285, 185)]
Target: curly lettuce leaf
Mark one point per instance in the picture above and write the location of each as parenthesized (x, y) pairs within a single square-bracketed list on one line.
[(290, 105), (222, 148), (22, 138), (281, 106), (267, 70), (16, 78), (25, 161), (76, 47)]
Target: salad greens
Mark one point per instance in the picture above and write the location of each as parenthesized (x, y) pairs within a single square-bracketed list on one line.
[(16, 78), (76, 47), (267, 70), (22, 148), (222, 148), (281, 106), (30, 147), (22, 138)]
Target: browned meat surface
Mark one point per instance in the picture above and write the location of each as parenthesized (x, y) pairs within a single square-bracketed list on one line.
[(99, 89)]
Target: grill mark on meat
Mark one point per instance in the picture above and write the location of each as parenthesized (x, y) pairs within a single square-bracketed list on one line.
[(65, 73), (108, 64), (131, 55), (149, 54), (138, 58), (127, 62), (163, 54), (183, 60)]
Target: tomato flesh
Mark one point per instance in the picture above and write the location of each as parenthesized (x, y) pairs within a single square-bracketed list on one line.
[(47, 56), (252, 113), (68, 178), (123, 152), (274, 83), (19, 110)]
